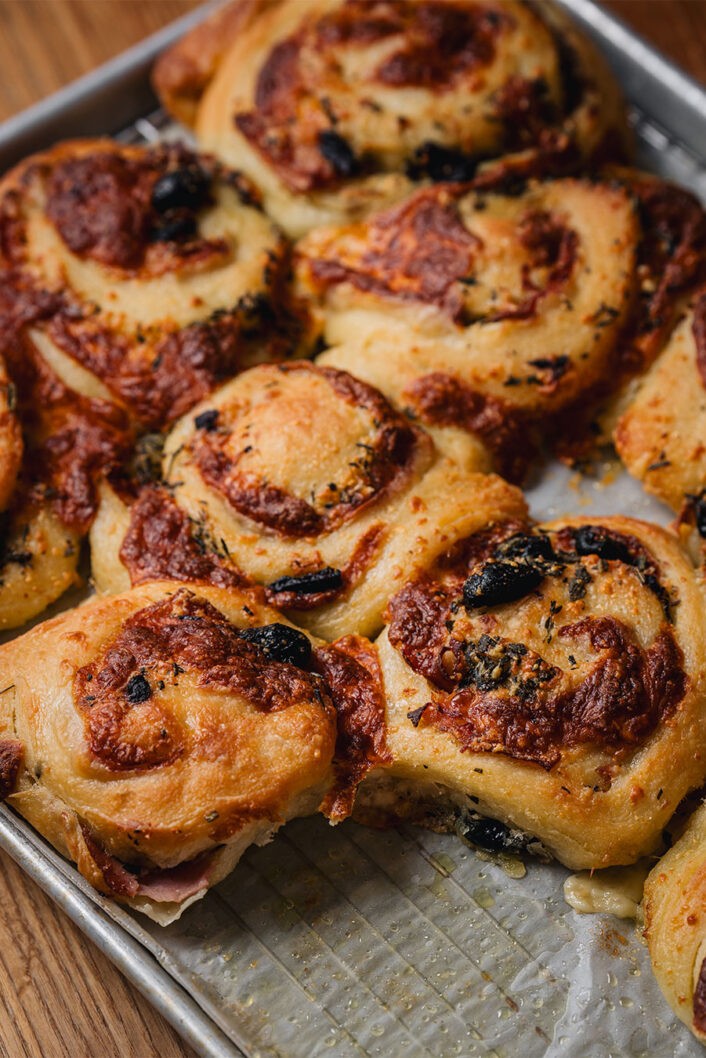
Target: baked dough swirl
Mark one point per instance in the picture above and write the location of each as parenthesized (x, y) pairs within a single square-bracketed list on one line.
[(674, 908), (551, 678), (480, 311), (490, 312), (138, 272), (153, 736), (311, 484), (327, 104), (661, 437)]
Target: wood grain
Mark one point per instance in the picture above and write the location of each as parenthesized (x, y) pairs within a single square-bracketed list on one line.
[(60, 996), (676, 27)]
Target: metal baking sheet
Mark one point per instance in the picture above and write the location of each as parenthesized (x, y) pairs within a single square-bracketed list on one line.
[(353, 942)]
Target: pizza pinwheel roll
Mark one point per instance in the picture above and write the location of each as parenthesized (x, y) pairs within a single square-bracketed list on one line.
[(154, 735), (546, 689), (138, 273), (487, 311), (661, 438), (311, 484), (675, 924), (480, 312), (331, 105), (133, 281)]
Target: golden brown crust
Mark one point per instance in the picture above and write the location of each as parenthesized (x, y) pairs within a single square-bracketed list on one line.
[(133, 282), (443, 400), (384, 461), (71, 439), (671, 259), (39, 558), (157, 726), (446, 301), (351, 669), (494, 696), (556, 673), (487, 315), (162, 543)]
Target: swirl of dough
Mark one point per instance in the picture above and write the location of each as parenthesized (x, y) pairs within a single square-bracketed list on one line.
[(158, 733), (480, 312), (327, 104), (507, 315), (551, 678), (661, 437), (675, 924), (310, 483), (140, 272)]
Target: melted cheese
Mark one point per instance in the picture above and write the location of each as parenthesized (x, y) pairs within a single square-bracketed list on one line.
[(614, 891)]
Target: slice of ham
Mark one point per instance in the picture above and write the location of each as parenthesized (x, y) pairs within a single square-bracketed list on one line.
[(174, 884), (164, 885)]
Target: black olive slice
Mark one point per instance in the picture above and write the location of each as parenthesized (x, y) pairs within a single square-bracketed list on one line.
[(500, 582), (185, 188), (326, 579), (280, 643)]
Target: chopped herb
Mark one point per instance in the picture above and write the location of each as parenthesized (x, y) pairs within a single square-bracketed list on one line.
[(580, 580)]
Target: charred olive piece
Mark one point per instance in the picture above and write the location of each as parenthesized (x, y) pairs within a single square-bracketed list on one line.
[(441, 164), (500, 582), (185, 188), (280, 643), (338, 153), (493, 835), (175, 229), (137, 689), (527, 547), (326, 579), (207, 420), (591, 540)]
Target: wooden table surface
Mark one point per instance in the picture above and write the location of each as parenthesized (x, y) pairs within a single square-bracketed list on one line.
[(60, 997)]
